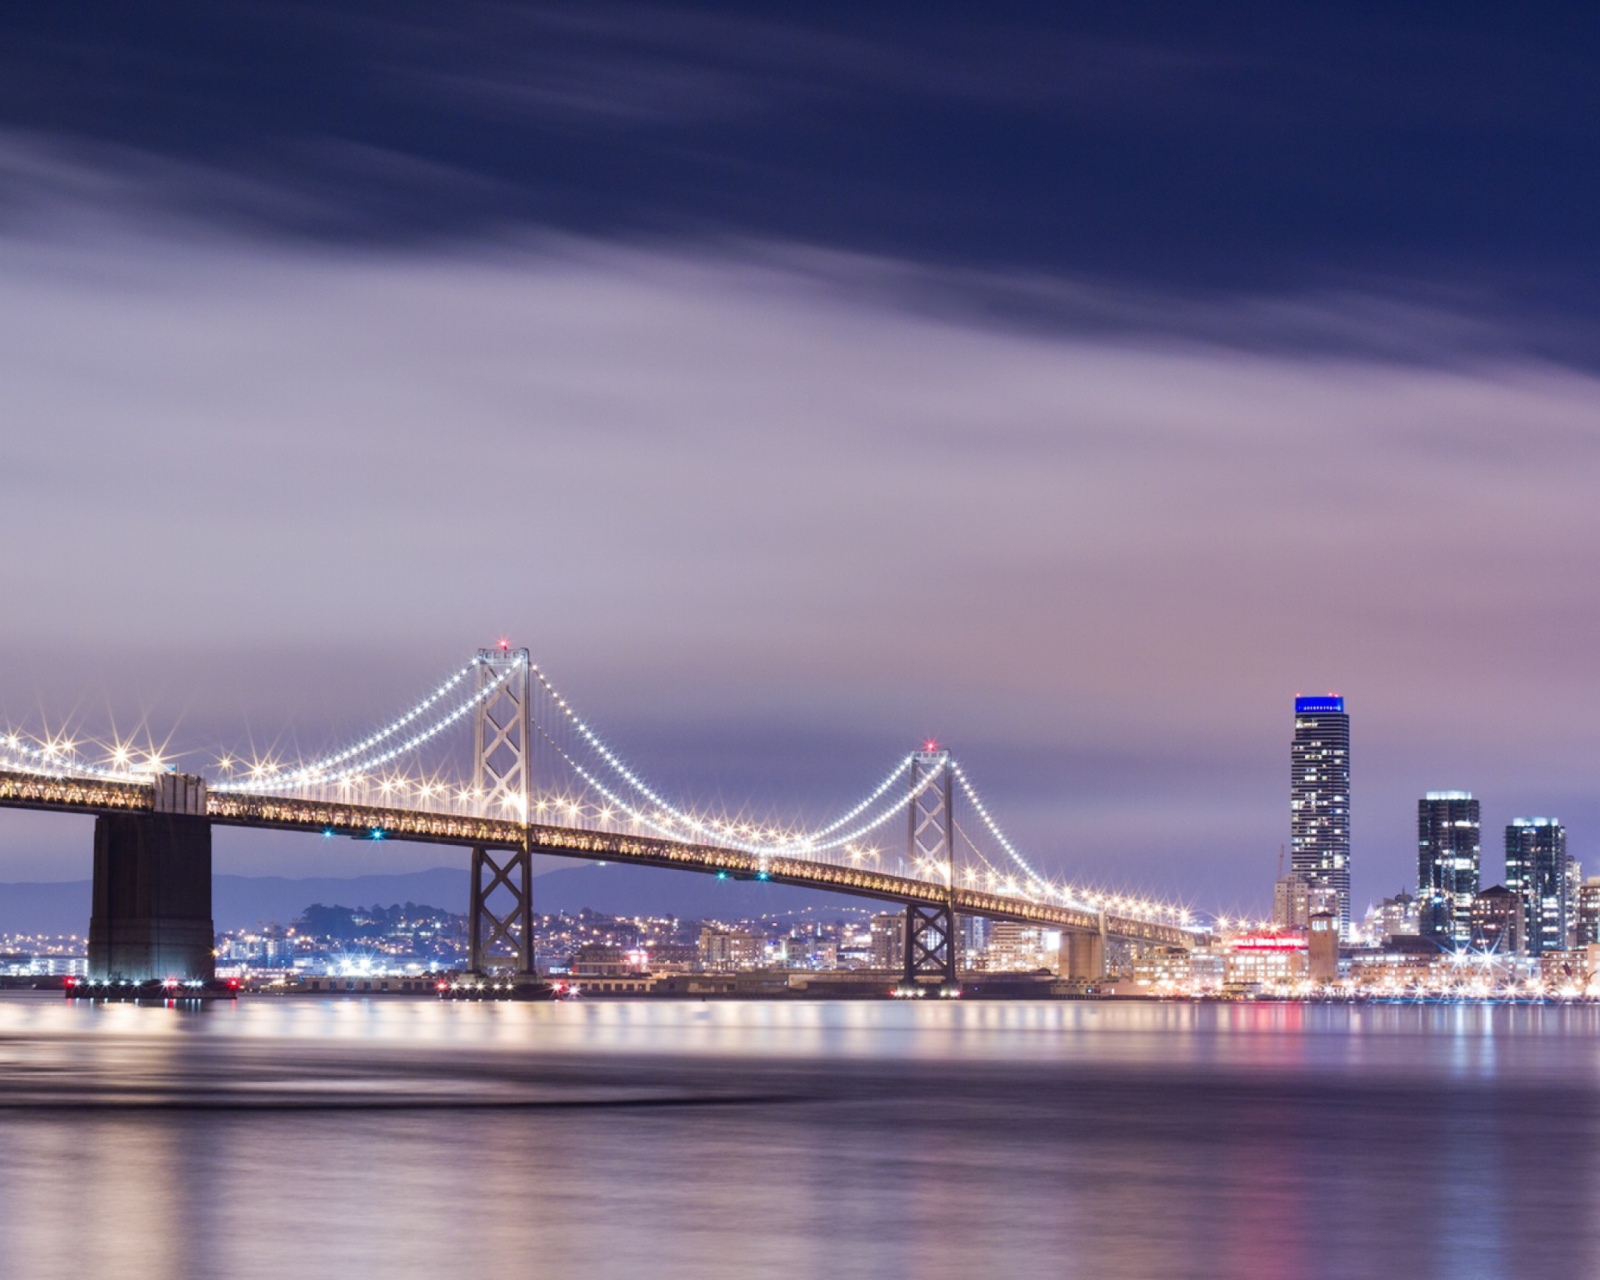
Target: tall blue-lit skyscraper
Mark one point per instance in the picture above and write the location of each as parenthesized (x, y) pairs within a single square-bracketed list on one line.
[(1319, 800)]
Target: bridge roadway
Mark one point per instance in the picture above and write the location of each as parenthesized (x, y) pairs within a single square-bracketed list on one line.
[(93, 796)]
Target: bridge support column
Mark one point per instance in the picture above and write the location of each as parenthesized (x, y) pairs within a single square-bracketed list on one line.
[(1083, 956), (151, 917), (500, 935), (930, 950)]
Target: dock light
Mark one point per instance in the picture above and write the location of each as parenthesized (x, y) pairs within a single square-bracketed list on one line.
[(762, 875)]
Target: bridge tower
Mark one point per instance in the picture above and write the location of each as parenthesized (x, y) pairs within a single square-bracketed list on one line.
[(931, 936), (501, 923)]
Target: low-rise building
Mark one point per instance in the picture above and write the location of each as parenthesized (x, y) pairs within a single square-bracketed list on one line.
[(728, 950), (594, 960), (1497, 918), (1404, 962), (1564, 972), (1021, 948), (1261, 960), (1161, 968)]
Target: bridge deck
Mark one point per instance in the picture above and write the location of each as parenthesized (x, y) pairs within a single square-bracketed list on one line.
[(21, 790)]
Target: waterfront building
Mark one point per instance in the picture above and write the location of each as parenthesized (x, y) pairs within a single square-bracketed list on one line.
[(1018, 948), (1402, 963), (1319, 800), (1265, 960), (1161, 967), (1589, 912), (672, 957), (1537, 872), (1497, 920), (1564, 971), (1449, 851), (1208, 969), (596, 960), (1322, 948), (728, 950)]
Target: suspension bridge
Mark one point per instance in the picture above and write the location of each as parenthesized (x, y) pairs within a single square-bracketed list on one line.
[(540, 780)]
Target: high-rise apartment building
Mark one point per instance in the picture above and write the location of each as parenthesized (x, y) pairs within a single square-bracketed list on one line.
[(889, 940), (1319, 800), (1449, 854), (1589, 912), (1537, 872)]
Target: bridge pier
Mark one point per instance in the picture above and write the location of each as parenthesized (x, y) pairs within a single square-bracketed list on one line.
[(1083, 955), (931, 943), (151, 918), (500, 932)]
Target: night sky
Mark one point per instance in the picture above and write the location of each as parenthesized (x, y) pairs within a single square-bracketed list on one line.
[(1074, 384)]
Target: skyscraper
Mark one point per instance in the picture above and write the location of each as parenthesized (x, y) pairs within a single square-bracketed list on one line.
[(1449, 852), (1319, 800), (1536, 871)]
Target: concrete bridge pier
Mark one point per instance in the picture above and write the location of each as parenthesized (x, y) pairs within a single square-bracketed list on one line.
[(151, 917), (1083, 955)]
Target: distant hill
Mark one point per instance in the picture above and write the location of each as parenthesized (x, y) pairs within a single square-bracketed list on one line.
[(242, 901)]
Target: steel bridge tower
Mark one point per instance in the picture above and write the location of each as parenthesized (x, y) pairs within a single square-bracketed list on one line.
[(501, 928), (931, 937)]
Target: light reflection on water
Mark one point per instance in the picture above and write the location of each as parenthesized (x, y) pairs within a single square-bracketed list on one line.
[(310, 1138)]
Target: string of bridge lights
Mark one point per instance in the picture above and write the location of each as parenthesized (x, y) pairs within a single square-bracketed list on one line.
[(693, 823), (803, 846), (988, 821), (1036, 887), (393, 727), (56, 760), (307, 775), (690, 820)]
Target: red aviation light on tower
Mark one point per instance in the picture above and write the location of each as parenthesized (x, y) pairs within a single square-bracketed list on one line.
[(930, 745), (504, 645)]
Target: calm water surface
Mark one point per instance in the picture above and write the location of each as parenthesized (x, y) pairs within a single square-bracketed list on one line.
[(302, 1139)]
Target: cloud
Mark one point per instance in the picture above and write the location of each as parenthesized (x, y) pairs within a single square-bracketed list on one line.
[(745, 511), (1273, 172)]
